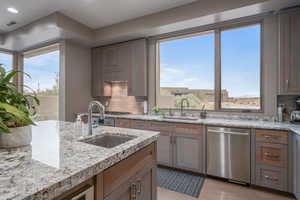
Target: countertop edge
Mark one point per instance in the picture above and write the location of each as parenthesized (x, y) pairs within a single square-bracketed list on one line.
[(225, 122), (58, 188)]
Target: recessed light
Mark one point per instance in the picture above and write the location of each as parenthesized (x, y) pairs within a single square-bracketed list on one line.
[(12, 10)]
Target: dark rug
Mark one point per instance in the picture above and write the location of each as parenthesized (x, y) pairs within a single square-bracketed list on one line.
[(179, 181)]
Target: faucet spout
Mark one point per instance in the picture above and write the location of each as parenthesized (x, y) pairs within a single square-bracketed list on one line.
[(101, 109), (182, 105)]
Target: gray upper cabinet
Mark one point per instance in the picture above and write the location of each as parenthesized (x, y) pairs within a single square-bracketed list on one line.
[(121, 62), (98, 85), (289, 49), (137, 82)]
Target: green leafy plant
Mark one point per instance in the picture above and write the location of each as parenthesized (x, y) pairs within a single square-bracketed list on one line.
[(15, 107), (156, 109)]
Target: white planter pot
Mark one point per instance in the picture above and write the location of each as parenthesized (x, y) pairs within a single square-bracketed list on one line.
[(20, 136)]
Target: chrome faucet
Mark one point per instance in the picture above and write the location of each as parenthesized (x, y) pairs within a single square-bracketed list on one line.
[(182, 105), (101, 111)]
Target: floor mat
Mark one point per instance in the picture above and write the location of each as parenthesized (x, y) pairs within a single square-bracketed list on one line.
[(179, 181)]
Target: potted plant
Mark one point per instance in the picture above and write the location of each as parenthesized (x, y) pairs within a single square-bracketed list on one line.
[(156, 110), (15, 111)]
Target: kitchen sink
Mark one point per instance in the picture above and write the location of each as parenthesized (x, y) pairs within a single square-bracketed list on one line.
[(108, 140), (180, 118)]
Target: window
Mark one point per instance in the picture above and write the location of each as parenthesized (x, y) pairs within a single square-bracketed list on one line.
[(6, 60), (43, 67), (188, 70), (240, 68)]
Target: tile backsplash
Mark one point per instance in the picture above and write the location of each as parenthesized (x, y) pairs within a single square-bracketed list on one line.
[(120, 102), (289, 104)]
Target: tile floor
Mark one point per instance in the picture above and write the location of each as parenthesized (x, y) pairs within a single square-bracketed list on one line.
[(214, 189)]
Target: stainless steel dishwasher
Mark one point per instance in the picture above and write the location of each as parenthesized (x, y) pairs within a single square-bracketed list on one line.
[(228, 153)]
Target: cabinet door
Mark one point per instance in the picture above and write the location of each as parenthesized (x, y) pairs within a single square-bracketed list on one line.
[(289, 24), (124, 192), (164, 150), (124, 61), (187, 153), (99, 86), (297, 166), (137, 77), (146, 184), (123, 123), (271, 154)]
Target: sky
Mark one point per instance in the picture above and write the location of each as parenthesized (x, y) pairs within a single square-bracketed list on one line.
[(189, 62), (6, 60), (42, 69)]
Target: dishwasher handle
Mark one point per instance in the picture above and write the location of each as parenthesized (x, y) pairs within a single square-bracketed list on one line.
[(227, 132)]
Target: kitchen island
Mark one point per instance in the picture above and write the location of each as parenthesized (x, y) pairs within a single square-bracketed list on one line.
[(58, 160)]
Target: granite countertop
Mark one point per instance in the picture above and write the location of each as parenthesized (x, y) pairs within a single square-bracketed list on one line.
[(219, 122), (56, 161)]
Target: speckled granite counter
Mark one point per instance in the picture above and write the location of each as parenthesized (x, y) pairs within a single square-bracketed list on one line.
[(219, 122), (56, 161)]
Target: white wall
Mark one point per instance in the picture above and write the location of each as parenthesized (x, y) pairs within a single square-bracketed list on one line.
[(75, 84)]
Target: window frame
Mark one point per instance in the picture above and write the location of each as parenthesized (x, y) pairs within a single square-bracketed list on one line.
[(218, 76)]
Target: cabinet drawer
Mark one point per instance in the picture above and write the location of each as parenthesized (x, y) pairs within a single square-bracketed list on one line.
[(123, 171), (271, 154), (272, 136), (161, 126), (123, 123), (271, 177), (188, 129), (139, 124)]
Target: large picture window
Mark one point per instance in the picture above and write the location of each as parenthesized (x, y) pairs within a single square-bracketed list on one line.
[(240, 68), (43, 67), (188, 69)]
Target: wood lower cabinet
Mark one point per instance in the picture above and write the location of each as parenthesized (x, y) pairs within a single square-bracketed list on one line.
[(272, 159), (188, 153), (272, 154), (296, 158), (123, 123), (131, 179), (164, 150), (140, 187), (179, 145), (271, 177)]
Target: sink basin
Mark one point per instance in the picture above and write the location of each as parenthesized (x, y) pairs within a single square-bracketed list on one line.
[(180, 118), (108, 140)]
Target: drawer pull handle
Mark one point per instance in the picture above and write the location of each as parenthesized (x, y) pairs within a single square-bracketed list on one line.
[(139, 187), (271, 137), (267, 154), (270, 178), (133, 195)]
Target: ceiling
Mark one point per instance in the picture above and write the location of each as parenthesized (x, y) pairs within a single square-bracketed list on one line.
[(93, 13)]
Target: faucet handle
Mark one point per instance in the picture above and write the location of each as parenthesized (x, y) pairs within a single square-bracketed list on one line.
[(170, 112)]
